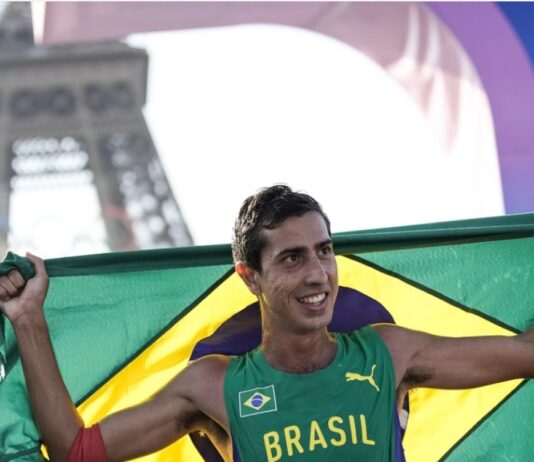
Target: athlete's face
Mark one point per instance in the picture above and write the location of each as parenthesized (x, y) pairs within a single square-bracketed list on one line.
[(297, 286)]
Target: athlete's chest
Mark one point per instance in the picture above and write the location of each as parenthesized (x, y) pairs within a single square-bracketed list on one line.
[(339, 414)]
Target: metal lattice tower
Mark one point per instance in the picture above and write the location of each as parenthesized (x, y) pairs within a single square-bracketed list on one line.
[(73, 114)]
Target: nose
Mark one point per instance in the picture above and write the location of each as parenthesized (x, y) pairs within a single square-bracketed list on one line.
[(316, 272)]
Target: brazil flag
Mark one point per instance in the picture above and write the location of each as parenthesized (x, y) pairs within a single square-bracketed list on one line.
[(124, 324)]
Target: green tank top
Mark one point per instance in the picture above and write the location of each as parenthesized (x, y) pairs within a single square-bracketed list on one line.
[(343, 412)]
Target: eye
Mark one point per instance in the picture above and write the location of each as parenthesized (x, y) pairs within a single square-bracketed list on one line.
[(291, 258), (327, 250)]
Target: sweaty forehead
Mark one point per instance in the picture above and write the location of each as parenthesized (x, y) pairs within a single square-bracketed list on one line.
[(305, 231)]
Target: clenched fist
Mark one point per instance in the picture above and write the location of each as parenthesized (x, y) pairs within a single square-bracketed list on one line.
[(18, 297)]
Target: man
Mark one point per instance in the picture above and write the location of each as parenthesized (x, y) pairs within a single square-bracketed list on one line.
[(305, 393)]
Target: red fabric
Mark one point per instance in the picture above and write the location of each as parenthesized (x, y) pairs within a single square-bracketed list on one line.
[(88, 446)]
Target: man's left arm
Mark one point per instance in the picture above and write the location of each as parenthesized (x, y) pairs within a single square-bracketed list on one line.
[(424, 360)]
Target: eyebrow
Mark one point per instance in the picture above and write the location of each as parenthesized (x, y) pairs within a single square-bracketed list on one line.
[(302, 248), (323, 243)]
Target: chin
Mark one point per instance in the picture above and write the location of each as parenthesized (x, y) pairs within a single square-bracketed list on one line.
[(318, 323)]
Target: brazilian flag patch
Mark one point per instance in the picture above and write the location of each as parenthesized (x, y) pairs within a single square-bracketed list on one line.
[(257, 401)]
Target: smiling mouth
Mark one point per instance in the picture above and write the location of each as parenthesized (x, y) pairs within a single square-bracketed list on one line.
[(313, 299)]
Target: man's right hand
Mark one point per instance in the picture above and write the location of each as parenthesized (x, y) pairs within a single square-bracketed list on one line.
[(19, 298)]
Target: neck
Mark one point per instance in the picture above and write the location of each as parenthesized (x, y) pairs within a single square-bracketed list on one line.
[(299, 353)]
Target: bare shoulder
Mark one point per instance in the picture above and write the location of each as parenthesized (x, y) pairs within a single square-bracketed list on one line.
[(391, 334), (209, 369), (200, 374), (402, 344), (395, 336), (385, 328), (202, 383)]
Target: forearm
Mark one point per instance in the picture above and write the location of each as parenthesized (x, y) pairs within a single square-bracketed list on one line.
[(527, 339), (54, 413)]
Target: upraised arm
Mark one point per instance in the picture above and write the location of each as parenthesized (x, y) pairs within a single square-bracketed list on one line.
[(52, 408), (168, 415), (438, 362)]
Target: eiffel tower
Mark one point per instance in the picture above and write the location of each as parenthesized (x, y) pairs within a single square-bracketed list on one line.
[(72, 115)]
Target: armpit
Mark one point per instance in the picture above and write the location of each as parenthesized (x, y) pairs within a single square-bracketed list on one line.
[(417, 376)]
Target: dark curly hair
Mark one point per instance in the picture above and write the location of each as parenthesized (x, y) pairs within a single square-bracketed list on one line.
[(266, 210)]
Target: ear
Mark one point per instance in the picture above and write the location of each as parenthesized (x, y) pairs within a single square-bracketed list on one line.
[(249, 276)]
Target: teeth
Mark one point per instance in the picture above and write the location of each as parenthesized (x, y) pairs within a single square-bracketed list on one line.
[(313, 300)]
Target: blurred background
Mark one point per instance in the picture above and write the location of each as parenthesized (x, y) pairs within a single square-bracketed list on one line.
[(128, 125)]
